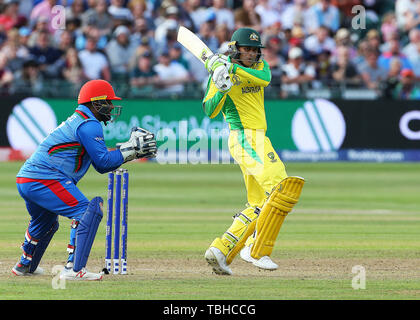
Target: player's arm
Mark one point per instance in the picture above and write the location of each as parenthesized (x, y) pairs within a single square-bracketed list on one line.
[(213, 100), (90, 135), (260, 77)]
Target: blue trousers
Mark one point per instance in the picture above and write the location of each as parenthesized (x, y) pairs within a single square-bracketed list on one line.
[(45, 201)]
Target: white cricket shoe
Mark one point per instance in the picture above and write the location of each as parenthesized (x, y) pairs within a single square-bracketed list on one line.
[(245, 254), (70, 274), (265, 263), (217, 260)]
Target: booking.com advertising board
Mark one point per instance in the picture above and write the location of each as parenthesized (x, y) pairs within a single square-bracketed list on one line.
[(300, 130)]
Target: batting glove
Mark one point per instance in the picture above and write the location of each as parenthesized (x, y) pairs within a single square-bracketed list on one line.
[(216, 61), (221, 79)]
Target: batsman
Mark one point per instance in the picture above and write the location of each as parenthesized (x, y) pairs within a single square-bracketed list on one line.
[(271, 193), (47, 181)]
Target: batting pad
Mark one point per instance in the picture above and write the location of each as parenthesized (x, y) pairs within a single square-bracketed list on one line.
[(243, 226), (280, 202)]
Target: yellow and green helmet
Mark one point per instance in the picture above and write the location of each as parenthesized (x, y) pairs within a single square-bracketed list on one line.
[(244, 37)]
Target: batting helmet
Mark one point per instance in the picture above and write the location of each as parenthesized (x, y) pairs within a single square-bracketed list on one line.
[(95, 90), (244, 37)]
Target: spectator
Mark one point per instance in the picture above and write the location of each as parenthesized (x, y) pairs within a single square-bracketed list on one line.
[(343, 70), (118, 11), (119, 51), (402, 10), (94, 63), (323, 69), (296, 74), (406, 89), (99, 17), (169, 25), (412, 18), (274, 60), (66, 41), (143, 77), (175, 54), (40, 26), (297, 14), (172, 75), (372, 74), (416, 64), (345, 8), (6, 76), (296, 37), (12, 40), (196, 12), (73, 70), (410, 50), (362, 50), (324, 14), (142, 34), (14, 62), (319, 42), (373, 39), (139, 10), (389, 26), (46, 55), (393, 78), (75, 10), (10, 17), (342, 38), (246, 16), (43, 10), (25, 7), (28, 80), (267, 13), (141, 48), (90, 31), (223, 15), (394, 51), (223, 36), (207, 36)]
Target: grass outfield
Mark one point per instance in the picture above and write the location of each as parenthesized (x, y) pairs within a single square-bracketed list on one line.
[(350, 214)]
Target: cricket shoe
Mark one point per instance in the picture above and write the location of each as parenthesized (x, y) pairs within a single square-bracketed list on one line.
[(245, 254), (265, 263), (217, 260), (83, 274), (23, 270)]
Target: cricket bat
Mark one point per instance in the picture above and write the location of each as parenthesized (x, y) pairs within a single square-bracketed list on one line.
[(193, 44)]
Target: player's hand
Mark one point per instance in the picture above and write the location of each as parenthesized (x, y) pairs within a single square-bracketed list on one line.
[(142, 144), (221, 79), (216, 61)]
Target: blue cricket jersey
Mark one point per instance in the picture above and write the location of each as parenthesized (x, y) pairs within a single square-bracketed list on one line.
[(70, 149)]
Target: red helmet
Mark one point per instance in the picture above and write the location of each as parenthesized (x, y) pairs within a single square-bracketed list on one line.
[(94, 90)]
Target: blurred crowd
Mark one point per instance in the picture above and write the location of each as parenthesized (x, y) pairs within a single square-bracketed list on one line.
[(53, 47)]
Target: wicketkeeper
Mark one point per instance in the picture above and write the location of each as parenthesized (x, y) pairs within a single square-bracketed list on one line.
[(47, 181), (236, 88)]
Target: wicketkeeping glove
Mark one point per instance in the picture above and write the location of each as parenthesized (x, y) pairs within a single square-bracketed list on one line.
[(142, 144)]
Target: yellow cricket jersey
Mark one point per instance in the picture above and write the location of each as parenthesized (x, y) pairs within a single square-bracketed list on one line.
[(243, 105)]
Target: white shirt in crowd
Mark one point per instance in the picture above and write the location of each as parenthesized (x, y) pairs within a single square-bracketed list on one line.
[(93, 63), (171, 72), (290, 71)]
